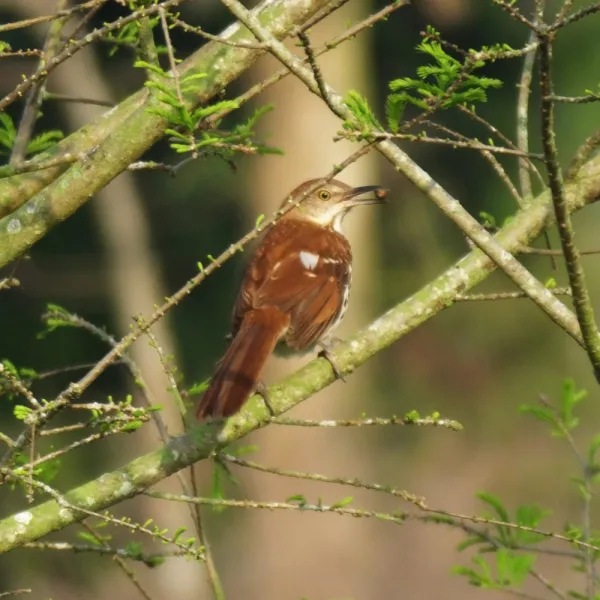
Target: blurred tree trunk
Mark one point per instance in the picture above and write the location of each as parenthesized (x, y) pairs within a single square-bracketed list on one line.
[(135, 286)]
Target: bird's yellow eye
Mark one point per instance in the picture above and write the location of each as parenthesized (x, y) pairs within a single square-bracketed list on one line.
[(324, 195)]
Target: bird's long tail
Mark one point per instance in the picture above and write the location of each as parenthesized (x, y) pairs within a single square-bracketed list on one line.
[(239, 370)]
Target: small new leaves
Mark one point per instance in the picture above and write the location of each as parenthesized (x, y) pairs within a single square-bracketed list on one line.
[(7, 133), (445, 83), (511, 570), (343, 502), (38, 144), (198, 388), (128, 35), (364, 118), (528, 516), (561, 419), (488, 221), (298, 499), (22, 412), (197, 129), (55, 317)]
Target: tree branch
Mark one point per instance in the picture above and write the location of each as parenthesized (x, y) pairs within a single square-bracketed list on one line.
[(582, 301), (450, 206), (137, 130), (145, 471)]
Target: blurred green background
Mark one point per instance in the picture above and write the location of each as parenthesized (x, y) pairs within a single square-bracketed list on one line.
[(476, 362)]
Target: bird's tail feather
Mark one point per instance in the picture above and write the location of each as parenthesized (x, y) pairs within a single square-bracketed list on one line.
[(238, 372)]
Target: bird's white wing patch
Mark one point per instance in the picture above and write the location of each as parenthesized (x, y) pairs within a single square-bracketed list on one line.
[(308, 259)]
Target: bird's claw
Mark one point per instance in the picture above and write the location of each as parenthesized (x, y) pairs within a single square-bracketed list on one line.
[(326, 354)]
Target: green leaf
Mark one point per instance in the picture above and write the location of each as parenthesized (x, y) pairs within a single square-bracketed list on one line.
[(142, 64), (570, 397), (297, 499), (512, 568), (48, 470), (221, 476), (343, 502), (394, 110), (206, 111), (411, 416), (22, 412), (44, 141), (495, 503), (131, 426), (88, 537), (488, 220), (361, 110), (593, 449)]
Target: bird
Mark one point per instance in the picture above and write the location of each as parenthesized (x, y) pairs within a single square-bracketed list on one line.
[(294, 290)]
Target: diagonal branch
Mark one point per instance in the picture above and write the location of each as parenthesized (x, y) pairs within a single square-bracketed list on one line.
[(138, 130), (582, 301), (145, 471), (451, 207)]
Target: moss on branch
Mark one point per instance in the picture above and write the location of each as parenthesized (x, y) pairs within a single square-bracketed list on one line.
[(143, 472), (33, 203)]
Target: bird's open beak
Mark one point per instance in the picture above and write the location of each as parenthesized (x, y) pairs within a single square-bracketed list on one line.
[(367, 194)]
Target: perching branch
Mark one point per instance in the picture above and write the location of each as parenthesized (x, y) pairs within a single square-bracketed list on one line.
[(140, 474)]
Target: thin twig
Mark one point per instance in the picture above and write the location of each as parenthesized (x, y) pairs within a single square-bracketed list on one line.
[(312, 62), (591, 97), (195, 510), (35, 164), (468, 143), (523, 118), (495, 131), (515, 13), (398, 517), (369, 422), (147, 559), (326, 11), (45, 18), (35, 94), (582, 302), (175, 72), (488, 155), (215, 38), (564, 10), (583, 154), (283, 73), (386, 489), (504, 295), (551, 252), (118, 559), (580, 14), (22, 53), (587, 471), (76, 99), (75, 46)]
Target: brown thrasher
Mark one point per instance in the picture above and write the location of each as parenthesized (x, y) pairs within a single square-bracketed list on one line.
[(295, 288)]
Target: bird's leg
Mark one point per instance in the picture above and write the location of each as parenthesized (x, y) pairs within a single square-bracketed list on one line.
[(326, 347), (261, 389)]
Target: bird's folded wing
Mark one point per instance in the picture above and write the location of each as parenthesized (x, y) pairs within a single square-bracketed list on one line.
[(310, 288)]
